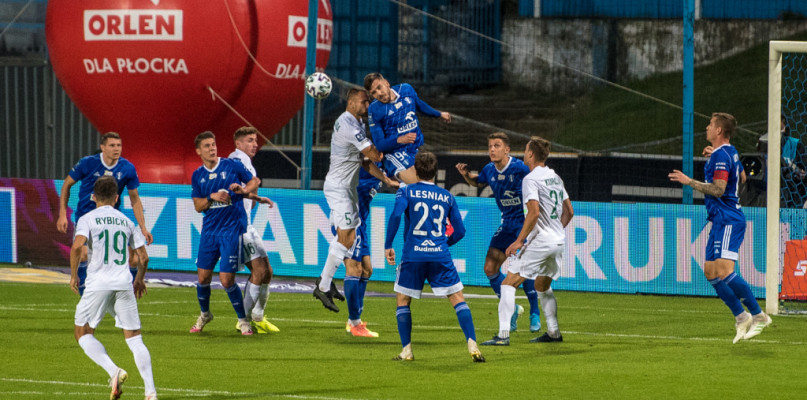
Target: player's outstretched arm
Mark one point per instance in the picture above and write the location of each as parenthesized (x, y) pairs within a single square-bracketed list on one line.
[(251, 186), (61, 222), (716, 188), (75, 259), (470, 178), (137, 207)]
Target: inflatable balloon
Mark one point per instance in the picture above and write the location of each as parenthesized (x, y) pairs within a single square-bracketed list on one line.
[(148, 69)]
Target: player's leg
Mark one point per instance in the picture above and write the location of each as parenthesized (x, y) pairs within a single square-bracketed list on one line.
[(259, 309), (367, 272), (493, 262), (352, 292), (717, 266), (345, 217), (206, 259), (408, 176), (403, 315), (550, 258), (89, 313), (401, 165), (445, 281), (507, 304), (255, 256), (408, 284), (128, 319)]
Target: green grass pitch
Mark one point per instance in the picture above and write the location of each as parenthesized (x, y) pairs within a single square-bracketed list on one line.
[(616, 346)]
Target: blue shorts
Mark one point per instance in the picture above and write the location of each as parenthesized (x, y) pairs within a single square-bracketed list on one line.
[(442, 277), (505, 236), (361, 247), (398, 161), (724, 241), (226, 247)]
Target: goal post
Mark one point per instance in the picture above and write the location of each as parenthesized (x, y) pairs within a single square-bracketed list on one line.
[(774, 238)]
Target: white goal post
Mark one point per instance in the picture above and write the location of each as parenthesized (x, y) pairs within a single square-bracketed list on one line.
[(773, 234)]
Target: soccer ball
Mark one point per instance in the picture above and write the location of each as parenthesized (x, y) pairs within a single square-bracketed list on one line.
[(318, 85)]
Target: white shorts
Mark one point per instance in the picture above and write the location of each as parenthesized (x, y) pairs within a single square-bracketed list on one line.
[(121, 304), (538, 260), (252, 245), (344, 204)]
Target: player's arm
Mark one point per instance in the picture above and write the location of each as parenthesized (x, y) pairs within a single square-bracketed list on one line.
[(455, 217), (372, 153), (139, 283), (716, 188), (383, 144), (251, 186), (424, 108), (392, 226), (137, 207), (568, 213), (262, 200), (470, 178), (75, 259), (61, 222), (533, 210)]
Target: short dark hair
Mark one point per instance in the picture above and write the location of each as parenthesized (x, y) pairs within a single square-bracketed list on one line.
[(109, 135), (500, 135), (353, 92), (202, 136), (370, 78), (727, 122), (426, 165), (243, 131), (105, 189), (539, 148)]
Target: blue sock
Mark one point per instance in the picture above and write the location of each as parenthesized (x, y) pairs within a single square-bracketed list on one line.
[(352, 297), (496, 283), (532, 296), (82, 276), (727, 295), (237, 299), (203, 293), (743, 291), (362, 289), (404, 316), (466, 321)]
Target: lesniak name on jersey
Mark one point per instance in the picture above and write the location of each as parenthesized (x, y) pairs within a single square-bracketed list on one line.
[(425, 194)]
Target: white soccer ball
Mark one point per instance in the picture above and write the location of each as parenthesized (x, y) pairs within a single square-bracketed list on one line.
[(318, 85)]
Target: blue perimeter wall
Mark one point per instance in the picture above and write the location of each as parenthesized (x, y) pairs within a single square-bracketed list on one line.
[(650, 9), (624, 248)]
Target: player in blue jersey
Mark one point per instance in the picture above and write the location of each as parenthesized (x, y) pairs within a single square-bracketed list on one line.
[(425, 252), (217, 192), (722, 174), (394, 124), (504, 175), (108, 163)]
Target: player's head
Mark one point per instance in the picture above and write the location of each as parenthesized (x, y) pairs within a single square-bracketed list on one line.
[(246, 140), (537, 150), (357, 101), (105, 191), (111, 146), (206, 146), (378, 87), (721, 124), (426, 165), (498, 146)]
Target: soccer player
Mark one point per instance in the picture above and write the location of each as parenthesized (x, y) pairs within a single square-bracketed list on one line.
[(108, 163), (722, 173), (217, 192), (504, 175), (537, 252), (349, 146), (425, 252), (109, 286), (256, 290), (394, 124)]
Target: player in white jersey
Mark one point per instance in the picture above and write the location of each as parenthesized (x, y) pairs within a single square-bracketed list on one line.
[(537, 253), (349, 147), (256, 290), (108, 286)]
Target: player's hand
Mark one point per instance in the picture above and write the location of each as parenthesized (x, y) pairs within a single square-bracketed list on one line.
[(237, 189), (147, 235), (74, 283), (139, 286), (61, 224), (463, 169), (390, 256), (409, 138), (266, 200), (445, 117), (513, 248), (707, 151), (222, 196), (678, 176)]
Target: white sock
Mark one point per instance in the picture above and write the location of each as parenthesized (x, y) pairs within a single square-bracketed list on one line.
[(260, 306), (143, 361), (251, 292), (550, 307), (336, 254), (507, 304), (97, 353)]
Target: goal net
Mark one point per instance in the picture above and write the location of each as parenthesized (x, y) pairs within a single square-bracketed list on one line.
[(786, 250)]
